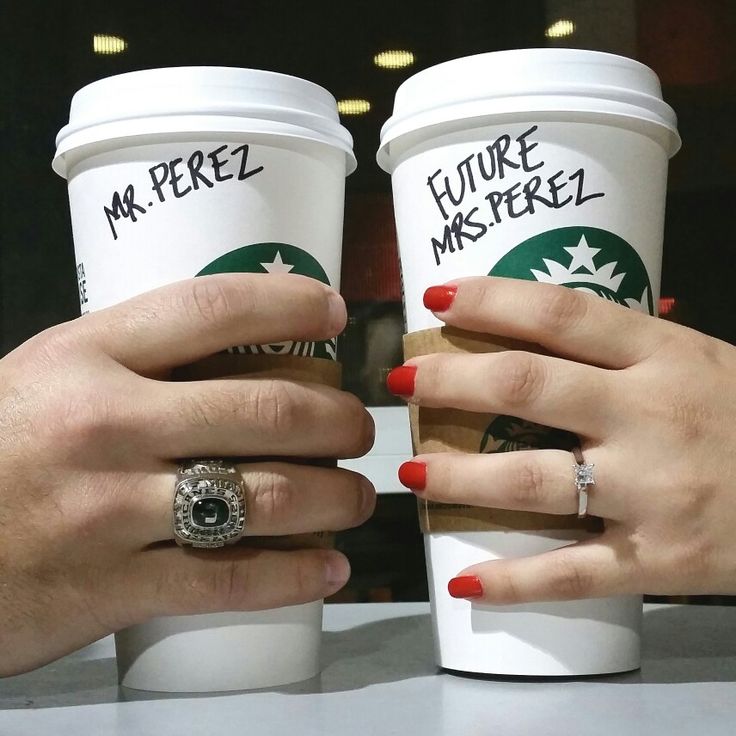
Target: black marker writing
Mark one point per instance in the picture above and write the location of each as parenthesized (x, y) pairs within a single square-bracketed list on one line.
[(494, 163), (181, 176), (124, 206)]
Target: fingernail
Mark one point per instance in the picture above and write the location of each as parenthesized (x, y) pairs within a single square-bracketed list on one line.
[(337, 570), (413, 475), (338, 313), (400, 381), (465, 586), (370, 430), (439, 298), (368, 498)]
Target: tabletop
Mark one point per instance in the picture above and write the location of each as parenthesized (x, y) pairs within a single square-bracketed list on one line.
[(379, 677)]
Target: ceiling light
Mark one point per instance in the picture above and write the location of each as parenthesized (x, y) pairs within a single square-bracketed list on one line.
[(560, 29), (393, 59), (353, 107), (102, 43)]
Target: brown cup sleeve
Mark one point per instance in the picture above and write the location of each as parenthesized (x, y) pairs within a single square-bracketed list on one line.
[(280, 367), (453, 430)]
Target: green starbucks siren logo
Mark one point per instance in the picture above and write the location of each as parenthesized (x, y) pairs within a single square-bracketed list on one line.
[(585, 258), (275, 258)]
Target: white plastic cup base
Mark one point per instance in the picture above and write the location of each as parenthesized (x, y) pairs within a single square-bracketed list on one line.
[(559, 639), (222, 651)]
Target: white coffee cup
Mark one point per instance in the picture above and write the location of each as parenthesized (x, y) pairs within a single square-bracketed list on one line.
[(178, 172), (538, 164)]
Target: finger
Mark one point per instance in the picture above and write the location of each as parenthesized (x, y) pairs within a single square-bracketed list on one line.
[(543, 389), (280, 498), (241, 417), (173, 581), (190, 320), (542, 481), (568, 322), (590, 569)]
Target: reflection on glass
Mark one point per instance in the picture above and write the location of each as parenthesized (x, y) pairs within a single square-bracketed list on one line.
[(393, 59), (353, 106), (105, 44), (560, 29)]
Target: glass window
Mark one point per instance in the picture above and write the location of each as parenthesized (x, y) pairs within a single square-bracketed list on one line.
[(53, 49)]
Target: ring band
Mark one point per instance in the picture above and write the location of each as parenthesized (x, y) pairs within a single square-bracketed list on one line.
[(209, 504), (583, 479)]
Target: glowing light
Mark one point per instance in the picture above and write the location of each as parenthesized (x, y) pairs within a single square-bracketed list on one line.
[(105, 44), (666, 304), (560, 29), (393, 59), (353, 107)]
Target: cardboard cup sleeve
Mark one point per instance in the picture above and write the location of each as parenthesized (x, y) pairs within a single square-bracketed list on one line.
[(453, 430)]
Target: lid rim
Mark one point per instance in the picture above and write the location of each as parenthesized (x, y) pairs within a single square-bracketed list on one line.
[(124, 130), (383, 158), (528, 81), (139, 98)]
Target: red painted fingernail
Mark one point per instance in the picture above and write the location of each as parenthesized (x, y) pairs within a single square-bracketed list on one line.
[(465, 586), (439, 298), (400, 381), (413, 475)]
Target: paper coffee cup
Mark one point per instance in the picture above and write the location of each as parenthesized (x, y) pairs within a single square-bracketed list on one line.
[(546, 165), (187, 171)]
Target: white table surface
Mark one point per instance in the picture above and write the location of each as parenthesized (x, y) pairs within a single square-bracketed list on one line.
[(379, 678)]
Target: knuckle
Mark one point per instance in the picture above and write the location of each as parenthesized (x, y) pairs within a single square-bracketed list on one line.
[(693, 557), (695, 499), (520, 377), (209, 300), (569, 580), (204, 410), (272, 499), (306, 585), (81, 420), (560, 308), (228, 584), (528, 490), (274, 405), (686, 418), (505, 590), (431, 372), (53, 344)]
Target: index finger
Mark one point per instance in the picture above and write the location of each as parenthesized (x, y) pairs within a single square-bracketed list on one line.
[(568, 322), (189, 320)]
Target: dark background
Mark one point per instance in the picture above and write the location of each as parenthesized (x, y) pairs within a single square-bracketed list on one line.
[(47, 55)]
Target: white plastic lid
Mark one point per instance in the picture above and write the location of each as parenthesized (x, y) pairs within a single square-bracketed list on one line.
[(528, 81), (201, 99)]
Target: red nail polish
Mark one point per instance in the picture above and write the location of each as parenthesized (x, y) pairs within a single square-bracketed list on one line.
[(400, 381), (439, 298), (413, 475), (465, 586)]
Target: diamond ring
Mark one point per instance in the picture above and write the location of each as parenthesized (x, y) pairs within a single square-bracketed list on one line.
[(583, 479), (209, 504)]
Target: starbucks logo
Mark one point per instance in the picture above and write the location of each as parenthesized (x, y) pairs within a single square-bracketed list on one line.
[(584, 258), (275, 258), (506, 434)]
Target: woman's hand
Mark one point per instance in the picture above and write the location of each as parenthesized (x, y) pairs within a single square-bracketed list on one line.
[(654, 406), (90, 430)]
